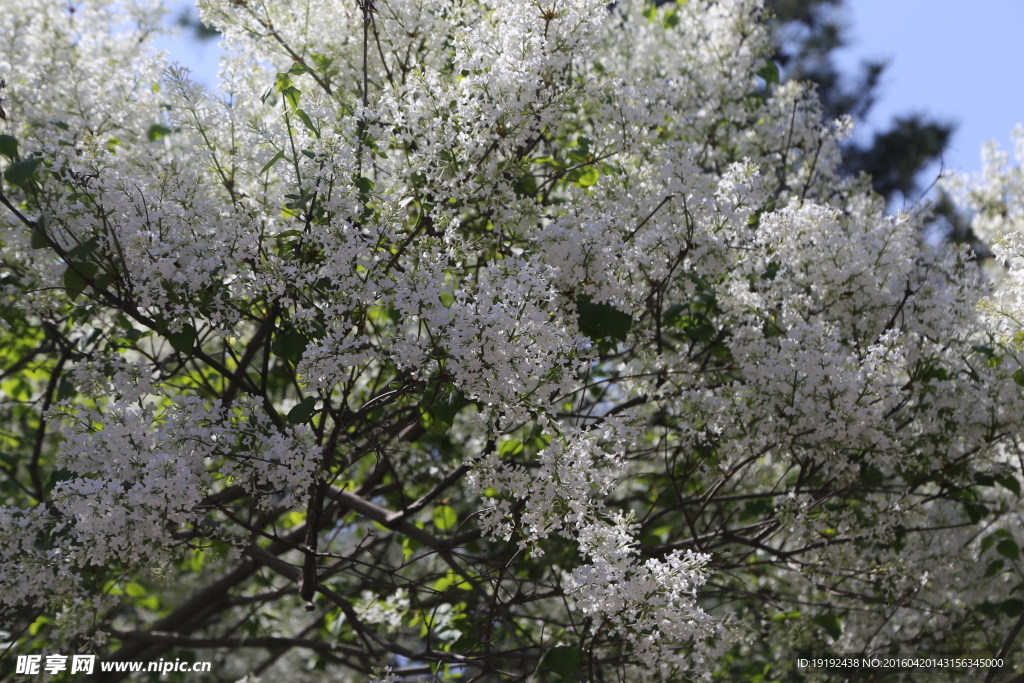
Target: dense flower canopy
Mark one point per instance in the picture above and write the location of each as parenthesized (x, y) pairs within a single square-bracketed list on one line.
[(484, 338)]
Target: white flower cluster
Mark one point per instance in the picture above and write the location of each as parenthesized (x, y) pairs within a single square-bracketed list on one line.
[(649, 605), (578, 252), (389, 612), (996, 201), (563, 495)]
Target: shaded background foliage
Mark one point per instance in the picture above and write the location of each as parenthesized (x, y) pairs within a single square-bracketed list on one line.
[(901, 158), (808, 32)]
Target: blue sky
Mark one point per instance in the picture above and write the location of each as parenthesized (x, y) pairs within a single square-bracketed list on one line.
[(955, 61), (201, 56)]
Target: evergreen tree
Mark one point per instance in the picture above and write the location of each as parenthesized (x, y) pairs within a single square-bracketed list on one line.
[(807, 33)]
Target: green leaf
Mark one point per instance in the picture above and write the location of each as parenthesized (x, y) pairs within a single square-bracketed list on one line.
[(674, 315), (721, 352), (830, 622), (82, 251), (150, 603), (183, 341), (994, 567), (599, 321), (9, 146), (301, 202), (195, 563), (290, 345), (584, 177), (444, 517), (442, 584), (1012, 607), (19, 172), (526, 186), (563, 660), (769, 72), (276, 158), (988, 609), (410, 546), (465, 643), (986, 351), (323, 63), (786, 616), (308, 122), (510, 447), (267, 92), (451, 579), (437, 413), (102, 281), (705, 299), (299, 69), (1018, 377), (76, 275), (987, 542), (39, 240), (701, 332), (364, 184), (1008, 548), (135, 590), (302, 411), (157, 132), (1010, 483), (65, 389), (36, 626), (281, 82), (975, 511), (291, 96), (57, 476)]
